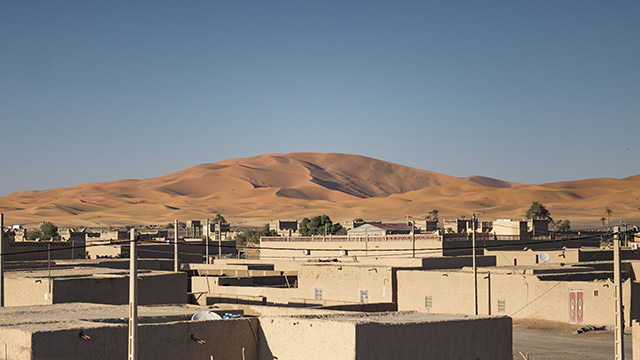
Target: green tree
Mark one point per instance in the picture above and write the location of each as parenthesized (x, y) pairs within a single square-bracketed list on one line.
[(34, 234), (49, 231), (563, 226), (537, 211), (433, 215), (253, 236), (169, 226), (320, 225), (219, 218)]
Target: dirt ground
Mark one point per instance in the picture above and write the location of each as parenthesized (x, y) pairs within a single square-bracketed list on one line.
[(551, 341)]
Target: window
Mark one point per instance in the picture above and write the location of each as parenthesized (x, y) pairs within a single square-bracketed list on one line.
[(427, 302), (364, 296), (318, 293), (500, 305), (595, 292)]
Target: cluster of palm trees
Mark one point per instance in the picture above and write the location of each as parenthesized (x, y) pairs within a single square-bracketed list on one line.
[(608, 212)]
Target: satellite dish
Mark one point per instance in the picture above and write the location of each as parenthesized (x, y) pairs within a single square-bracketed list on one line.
[(543, 256), (205, 315)]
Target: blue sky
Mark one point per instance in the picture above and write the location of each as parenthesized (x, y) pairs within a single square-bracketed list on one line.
[(533, 92)]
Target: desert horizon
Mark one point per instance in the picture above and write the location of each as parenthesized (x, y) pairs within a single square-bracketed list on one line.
[(251, 191)]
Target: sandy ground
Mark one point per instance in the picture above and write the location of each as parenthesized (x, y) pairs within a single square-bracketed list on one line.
[(252, 191), (558, 342)]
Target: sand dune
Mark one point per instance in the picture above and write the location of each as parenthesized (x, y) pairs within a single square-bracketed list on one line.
[(289, 186)]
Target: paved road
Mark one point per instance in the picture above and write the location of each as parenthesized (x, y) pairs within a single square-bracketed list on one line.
[(552, 344)]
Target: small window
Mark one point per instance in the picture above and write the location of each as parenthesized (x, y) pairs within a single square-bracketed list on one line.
[(427, 302), (595, 292), (364, 296), (318, 293), (500, 305), (515, 262)]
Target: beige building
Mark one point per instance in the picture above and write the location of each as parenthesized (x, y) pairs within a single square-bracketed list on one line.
[(579, 295), (92, 285), (99, 332), (341, 246), (284, 228)]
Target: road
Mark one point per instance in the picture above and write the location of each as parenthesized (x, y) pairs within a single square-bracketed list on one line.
[(561, 343)]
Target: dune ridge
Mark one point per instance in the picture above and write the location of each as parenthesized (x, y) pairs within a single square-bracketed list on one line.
[(254, 190)]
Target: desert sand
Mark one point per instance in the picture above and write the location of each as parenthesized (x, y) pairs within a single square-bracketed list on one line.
[(252, 191)]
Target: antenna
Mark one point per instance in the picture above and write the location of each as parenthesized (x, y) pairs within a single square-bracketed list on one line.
[(543, 256), (205, 315)]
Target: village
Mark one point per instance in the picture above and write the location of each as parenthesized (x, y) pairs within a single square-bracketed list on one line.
[(312, 289)]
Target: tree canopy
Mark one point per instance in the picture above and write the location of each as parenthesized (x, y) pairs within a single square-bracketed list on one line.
[(537, 211), (49, 231), (219, 218), (563, 225), (319, 225), (253, 236)]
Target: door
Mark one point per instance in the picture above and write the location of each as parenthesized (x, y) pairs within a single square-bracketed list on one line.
[(576, 306)]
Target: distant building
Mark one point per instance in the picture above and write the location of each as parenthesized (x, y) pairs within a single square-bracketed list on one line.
[(508, 227), (425, 225), (538, 227), (457, 225), (284, 228), (380, 229)]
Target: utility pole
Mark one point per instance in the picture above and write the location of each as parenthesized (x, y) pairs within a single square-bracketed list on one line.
[(413, 238), (206, 241), (475, 269), (1, 260), (619, 322), (133, 301), (175, 246), (219, 239)]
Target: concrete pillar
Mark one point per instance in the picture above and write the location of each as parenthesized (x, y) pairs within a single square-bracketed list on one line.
[(133, 301), (175, 247)]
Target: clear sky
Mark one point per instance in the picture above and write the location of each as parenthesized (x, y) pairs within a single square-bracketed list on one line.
[(527, 91)]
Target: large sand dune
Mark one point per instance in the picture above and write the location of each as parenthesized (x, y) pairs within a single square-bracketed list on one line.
[(291, 186)]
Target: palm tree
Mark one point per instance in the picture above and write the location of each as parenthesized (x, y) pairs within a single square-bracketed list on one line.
[(608, 212), (603, 220)]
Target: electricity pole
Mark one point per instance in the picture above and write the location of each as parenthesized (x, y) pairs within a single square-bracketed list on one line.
[(1, 260), (475, 269), (206, 241), (619, 322), (175, 246), (133, 301), (219, 239)]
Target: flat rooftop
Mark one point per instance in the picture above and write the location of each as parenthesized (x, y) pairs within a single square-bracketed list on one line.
[(398, 317), (80, 272), (86, 316)]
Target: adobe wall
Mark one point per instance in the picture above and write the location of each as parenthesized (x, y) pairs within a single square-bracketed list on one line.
[(481, 339), (342, 282), (159, 288), (523, 296), (18, 343), (361, 249), (224, 339), (286, 338), (156, 288), (210, 285), (530, 257), (26, 291)]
